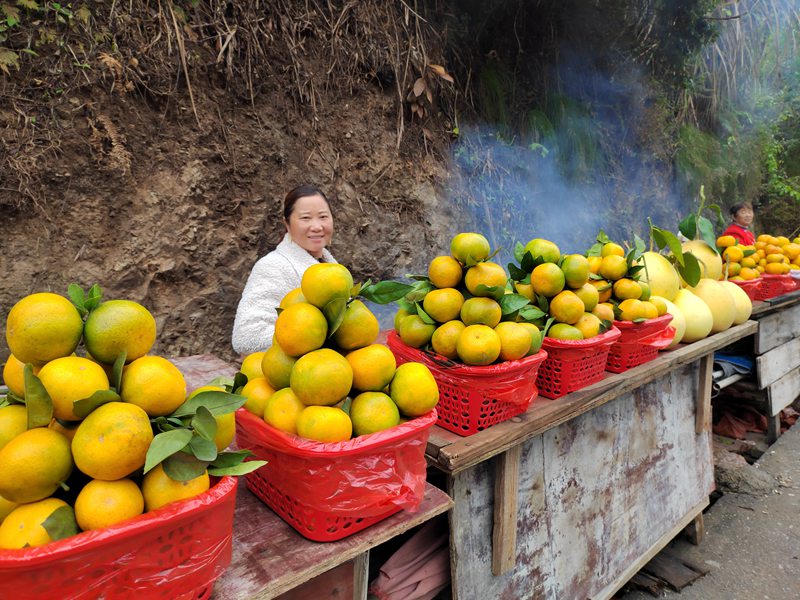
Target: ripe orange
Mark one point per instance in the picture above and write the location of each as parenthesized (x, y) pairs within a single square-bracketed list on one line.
[(481, 311), (631, 309), (567, 307), (576, 270), (733, 254), (257, 391), (373, 367), (725, 241), (359, 327), (293, 297), (471, 247), (22, 528), (372, 412), (535, 334), (414, 389), (627, 288), (154, 384), (604, 289), (589, 295), (548, 279), (42, 327), (276, 366), (102, 504), (282, 409), (594, 264), (119, 326), (478, 345), (649, 310), (588, 325), (69, 379), (445, 272), (13, 421), (14, 377), (487, 274), (33, 465), (323, 282), (524, 289), (301, 328), (159, 489), (444, 304), (322, 377), (613, 267), (544, 249), (612, 249), (515, 340), (414, 331), (445, 338), (251, 365), (401, 314), (604, 311), (324, 424), (563, 331)]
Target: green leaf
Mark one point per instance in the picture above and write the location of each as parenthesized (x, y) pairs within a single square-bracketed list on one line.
[(519, 252), (516, 273), (748, 253), (82, 408), (204, 424), (346, 404), (688, 227), (222, 381), (426, 318), (11, 398), (547, 325), (419, 278), (356, 289), (672, 241), (239, 381), (93, 298), (183, 467), (638, 245), (602, 238), (334, 314), (116, 371), (37, 400), (230, 458), (658, 237), (77, 297), (542, 302), (419, 290), (690, 270), (411, 307), (528, 263), (217, 402), (511, 303), (385, 292), (707, 232), (717, 213), (240, 469), (166, 444), (203, 449), (634, 270), (531, 313), (596, 249), (61, 523), (605, 325)]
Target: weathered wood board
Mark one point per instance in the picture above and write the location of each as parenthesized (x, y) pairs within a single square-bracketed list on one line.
[(783, 392), (776, 363), (777, 328), (595, 494)]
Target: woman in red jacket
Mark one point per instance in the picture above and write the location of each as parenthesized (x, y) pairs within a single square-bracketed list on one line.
[(742, 218)]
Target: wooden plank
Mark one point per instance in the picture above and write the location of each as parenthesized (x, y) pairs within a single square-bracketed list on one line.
[(777, 328), (774, 304), (671, 571), (504, 532), (696, 530), (360, 576), (776, 363), (773, 428), (270, 558), (783, 392), (544, 414), (336, 584), (703, 416)]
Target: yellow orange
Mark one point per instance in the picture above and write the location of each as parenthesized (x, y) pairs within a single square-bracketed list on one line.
[(373, 367), (481, 311), (444, 304), (548, 279), (445, 338), (478, 345), (445, 272), (323, 282), (488, 274)]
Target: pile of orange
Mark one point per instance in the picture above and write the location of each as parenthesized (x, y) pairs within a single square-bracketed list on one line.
[(328, 383), (770, 254)]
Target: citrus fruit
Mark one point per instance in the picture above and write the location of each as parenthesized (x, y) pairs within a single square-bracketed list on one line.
[(414, 389), (525, 289), (515, 340), (372, 412), (293, 297), (6, 506), (401, 314), (373, 367), (567, 307), (543, 249), (594, 264), (69, 379), (445, 338), (22, 528), (358, 328), (282, 409), (733, 254), (481, 311), (119, 326), (159, 489), (478, 345), (154, 384), (734, 269), (257, 391), (414, 331), (43, 326), (488, 274), (576, 270), (661, 306), (725, 241), (470, 247), (588, 295), (710, 260), (14, 376), (276, 366), (324, 424), (603, 311), (445, 272), (563, 331), (612, 249), (13, 421), (627, 288), (33, 465), (646, 292), (321, 377), (631, 309), (444, 304), (650, 310), (251, 365), (65, 428), (588, 325), (536, 338), (547, 279), (301, 328), (101, 504), (323, 282), (604, 289), (613, 267), (112, 442)]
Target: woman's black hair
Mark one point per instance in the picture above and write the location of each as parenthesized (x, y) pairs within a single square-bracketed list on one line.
[(301, 191), (739, 206)]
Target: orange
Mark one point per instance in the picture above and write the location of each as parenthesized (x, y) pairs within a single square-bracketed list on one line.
[(282, 410), (445, 272), (301, 328), (732, 254), (226, 423), (748, 261), (257, 391), (415, 332), (776, 268), (13, 421), (325, 424), (6, 506), (589, 295), (22, 528), (293, 297), (445, 338), (33, 465), (276, 366), (444, 304), (536, 338), (251, 365), (612, 249), (588, 325), (14, 377), (524, 289), (112, 442), (401, 314), (567, 307), (324, 282), (792, 250), (594, 264), (576, 270), (734, 269), (373, 367), (372, 412), (481, 311), (487, 274), (646, 293), (414, 389), (548, 279), (43, 326), (649, 309), (631, 309), (515, 340), (358, 328), (470, 247), (613, 267), (322, 377), (478, 345), (159, 489), (661, 306), (544, 249), (101, 504), (782, 240), (70, 379), (627, 288), (726, 241), (563, 331), (119, 326), (154, 384), (604, 311), (775, 258)]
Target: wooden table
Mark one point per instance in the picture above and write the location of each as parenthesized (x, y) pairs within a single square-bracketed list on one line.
[(571, 498)]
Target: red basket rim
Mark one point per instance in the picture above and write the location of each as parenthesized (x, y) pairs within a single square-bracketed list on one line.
[(646, 324), (297, 446), (604, 338), (783, 276), (747, 282), (189, 508)]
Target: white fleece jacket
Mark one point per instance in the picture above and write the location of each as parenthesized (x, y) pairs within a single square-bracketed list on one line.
[(272, 277)]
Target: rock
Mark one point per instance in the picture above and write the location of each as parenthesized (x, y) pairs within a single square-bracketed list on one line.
[(733, 474)]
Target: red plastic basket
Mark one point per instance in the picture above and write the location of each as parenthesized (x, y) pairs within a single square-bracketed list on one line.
[(474, 398), (774, 285), (327, 492), (573, 364), (639, 343), (750, 286), (177, 551)]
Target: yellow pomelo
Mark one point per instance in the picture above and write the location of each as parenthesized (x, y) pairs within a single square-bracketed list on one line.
[(322, 377), (719, 300), (744, 306), (43, 326), (699, 319), (678, 322), (414, 389), (710, 260), (660, 275)]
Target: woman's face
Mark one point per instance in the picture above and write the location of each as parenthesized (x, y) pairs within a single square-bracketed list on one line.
[(744, 216), (311, 224)]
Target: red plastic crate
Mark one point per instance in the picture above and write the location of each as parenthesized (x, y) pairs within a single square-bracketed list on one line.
[(573, 364), (774, 285), (327, 492), (174, 552), (639, 342), (473, 398), (750, 286)]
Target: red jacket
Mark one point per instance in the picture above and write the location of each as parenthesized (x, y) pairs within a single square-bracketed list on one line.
[(742, 234)]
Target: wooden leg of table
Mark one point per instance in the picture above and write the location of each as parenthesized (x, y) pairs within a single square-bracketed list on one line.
[(361, 576), (703, 416), (696, 530), (504, 533), (773, 428)]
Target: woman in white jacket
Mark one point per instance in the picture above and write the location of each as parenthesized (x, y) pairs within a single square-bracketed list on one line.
[(309, 227)]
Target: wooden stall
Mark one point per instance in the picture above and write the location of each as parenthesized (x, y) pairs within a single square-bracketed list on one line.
[(572, 498)]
